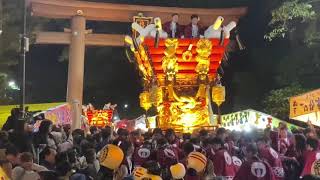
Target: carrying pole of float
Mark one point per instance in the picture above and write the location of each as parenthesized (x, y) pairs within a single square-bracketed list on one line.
[(76, 68)]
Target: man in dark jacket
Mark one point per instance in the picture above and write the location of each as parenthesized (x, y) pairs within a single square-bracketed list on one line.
[(173, 28), (194, 29)]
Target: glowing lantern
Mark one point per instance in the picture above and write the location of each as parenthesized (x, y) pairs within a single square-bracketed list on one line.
[(218, 97), (218, 94), (145, 100)]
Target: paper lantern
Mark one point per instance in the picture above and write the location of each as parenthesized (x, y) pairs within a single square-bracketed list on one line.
[(218, 94), (196, 161), (139, 173), (145, 100), (111, 156), (178, 171)]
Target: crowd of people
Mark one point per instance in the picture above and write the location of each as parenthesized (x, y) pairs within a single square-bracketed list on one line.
[(54, 152)]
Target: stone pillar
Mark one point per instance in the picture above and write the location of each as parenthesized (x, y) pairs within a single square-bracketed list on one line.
[(76, 68)]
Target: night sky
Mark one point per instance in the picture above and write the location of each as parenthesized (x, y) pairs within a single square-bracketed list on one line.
[(109, 77)]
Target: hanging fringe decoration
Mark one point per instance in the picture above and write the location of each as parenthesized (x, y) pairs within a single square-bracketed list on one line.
[(222, 36), (239, 42), (220, 70)]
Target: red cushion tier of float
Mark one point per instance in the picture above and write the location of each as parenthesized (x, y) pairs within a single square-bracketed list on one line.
[(156, 58), (187, 66)]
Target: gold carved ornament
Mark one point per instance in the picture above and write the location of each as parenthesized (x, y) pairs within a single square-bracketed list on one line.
[(169, 61), (145, 100), (204, 47), (140, 56), (201, 92), (145, 60), (156, 95), (140, 65), (187, 111), (187, 55)]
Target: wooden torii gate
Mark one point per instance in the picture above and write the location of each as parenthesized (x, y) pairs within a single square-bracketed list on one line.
[(78, 37)]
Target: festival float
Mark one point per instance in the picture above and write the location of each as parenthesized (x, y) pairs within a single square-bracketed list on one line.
[(179, 75), (98, 117)]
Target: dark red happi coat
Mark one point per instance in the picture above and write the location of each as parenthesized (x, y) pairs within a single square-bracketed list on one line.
[(141, 154), (237, 163), (167, 28), (209, 153), (188, 31), (272, 157), (230, 146), (223, 164), (309, 157), (167, 156), (255, 169), (176, 143)]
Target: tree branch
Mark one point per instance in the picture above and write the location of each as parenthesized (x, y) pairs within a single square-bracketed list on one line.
[(312, 1)]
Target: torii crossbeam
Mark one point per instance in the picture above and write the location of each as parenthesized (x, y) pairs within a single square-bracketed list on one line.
[(78, 38)]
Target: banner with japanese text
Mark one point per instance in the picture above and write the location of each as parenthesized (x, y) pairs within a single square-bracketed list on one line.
[(305, 104), (249, 119)]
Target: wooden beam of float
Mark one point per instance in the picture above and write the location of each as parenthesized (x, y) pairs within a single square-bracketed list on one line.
[(90, 39), (124, 13)]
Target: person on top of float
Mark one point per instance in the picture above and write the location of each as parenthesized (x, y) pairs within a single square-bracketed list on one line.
[(173, 28), (194, 29)]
